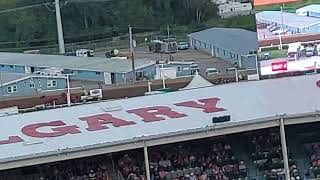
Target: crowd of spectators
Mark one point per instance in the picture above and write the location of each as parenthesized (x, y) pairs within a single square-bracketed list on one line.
[(81, 169), (267, 155), (86, 170), (313, 151), (213, 160), (131, 168)]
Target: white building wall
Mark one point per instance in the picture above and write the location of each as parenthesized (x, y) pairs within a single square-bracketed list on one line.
[(234, 9)]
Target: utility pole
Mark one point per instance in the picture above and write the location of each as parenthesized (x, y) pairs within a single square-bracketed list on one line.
[(132, 56), (282, 25), (68, 90), (169, 45), (59, 28)]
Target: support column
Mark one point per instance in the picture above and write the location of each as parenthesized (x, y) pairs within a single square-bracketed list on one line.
[(146, 161), (284, 150)]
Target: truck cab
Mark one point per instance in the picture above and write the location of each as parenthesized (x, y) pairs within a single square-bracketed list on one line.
[(294, 51), (212, 71)]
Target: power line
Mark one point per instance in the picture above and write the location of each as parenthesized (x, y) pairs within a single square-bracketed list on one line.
[(47, 3), (21, 8)]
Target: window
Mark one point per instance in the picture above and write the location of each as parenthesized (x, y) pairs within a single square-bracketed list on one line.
[(11, 66), (51, 83), (98, 73), (179, 69), (12, 89), (32, 85), (2, 65)]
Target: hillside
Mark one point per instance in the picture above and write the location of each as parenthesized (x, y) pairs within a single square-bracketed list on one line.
[(86, 20)]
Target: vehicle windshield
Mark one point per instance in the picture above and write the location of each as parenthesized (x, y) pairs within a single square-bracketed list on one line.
[(309, 49), (212, 71)]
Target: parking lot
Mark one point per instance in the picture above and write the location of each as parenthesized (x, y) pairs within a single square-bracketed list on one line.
[(266, 34), (202, 58)]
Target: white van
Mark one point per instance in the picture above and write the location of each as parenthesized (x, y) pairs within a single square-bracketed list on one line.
[(84, 53)]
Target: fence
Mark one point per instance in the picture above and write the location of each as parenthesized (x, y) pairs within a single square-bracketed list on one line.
[(120, 42)]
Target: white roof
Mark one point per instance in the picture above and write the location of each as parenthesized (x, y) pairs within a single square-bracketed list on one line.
[(289, 19), (197, 82), (310, 8), (243, 101)]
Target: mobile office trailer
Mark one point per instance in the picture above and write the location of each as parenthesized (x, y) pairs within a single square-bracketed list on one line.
[(294, 51)]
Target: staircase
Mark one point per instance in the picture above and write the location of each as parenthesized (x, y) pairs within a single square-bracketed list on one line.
[(240, 147), (295, 146)]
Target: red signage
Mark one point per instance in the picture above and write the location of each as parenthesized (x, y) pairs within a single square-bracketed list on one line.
[(270, 2), (279, 66), (99, 122)]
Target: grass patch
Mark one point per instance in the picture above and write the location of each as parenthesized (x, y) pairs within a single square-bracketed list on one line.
[(275, 53)]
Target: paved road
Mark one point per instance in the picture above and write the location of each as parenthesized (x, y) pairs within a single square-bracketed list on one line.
[(203, 59)]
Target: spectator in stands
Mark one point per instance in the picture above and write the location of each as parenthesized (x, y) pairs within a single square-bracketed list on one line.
[(242, 169), (92, 175)]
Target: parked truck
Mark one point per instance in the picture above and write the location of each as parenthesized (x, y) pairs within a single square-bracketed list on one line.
[(294, 51)]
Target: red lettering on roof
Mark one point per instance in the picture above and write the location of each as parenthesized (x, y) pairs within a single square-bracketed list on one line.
[(151, 114), (32, 129), (208, 105), (97, 122), (11, 140)]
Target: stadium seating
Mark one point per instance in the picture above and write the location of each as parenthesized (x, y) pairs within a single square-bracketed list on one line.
[(267, 154), (208, 160)]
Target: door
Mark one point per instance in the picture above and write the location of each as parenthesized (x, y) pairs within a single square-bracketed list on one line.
[(107, 78), (113, 78)]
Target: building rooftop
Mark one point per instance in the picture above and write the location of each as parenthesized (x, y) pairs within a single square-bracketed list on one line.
[(9, 77), (263, 100), (70, 62), (312, 7), (289, 19), (231, 39), (269, 2)]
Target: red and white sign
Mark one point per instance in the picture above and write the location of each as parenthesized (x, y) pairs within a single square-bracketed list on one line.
[(279, 66), (100, 121), (270, 67)]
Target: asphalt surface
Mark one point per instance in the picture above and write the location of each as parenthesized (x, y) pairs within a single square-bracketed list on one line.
[(202, 58)]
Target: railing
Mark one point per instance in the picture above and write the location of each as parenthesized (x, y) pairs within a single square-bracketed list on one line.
[(120, 176)]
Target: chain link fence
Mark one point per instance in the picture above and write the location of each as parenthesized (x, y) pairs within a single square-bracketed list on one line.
[(119, 42)]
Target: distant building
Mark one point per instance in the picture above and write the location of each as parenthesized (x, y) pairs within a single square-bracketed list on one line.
[(175, 69), (238, 46), (105, 70), (311, 10), (217, 2), (234, 9), (21, 84), (294, 23)]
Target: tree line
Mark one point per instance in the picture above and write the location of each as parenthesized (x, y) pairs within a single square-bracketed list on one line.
[(82, 17)]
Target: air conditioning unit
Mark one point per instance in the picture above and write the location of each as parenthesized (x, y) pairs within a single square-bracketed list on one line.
[(221, 119)]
